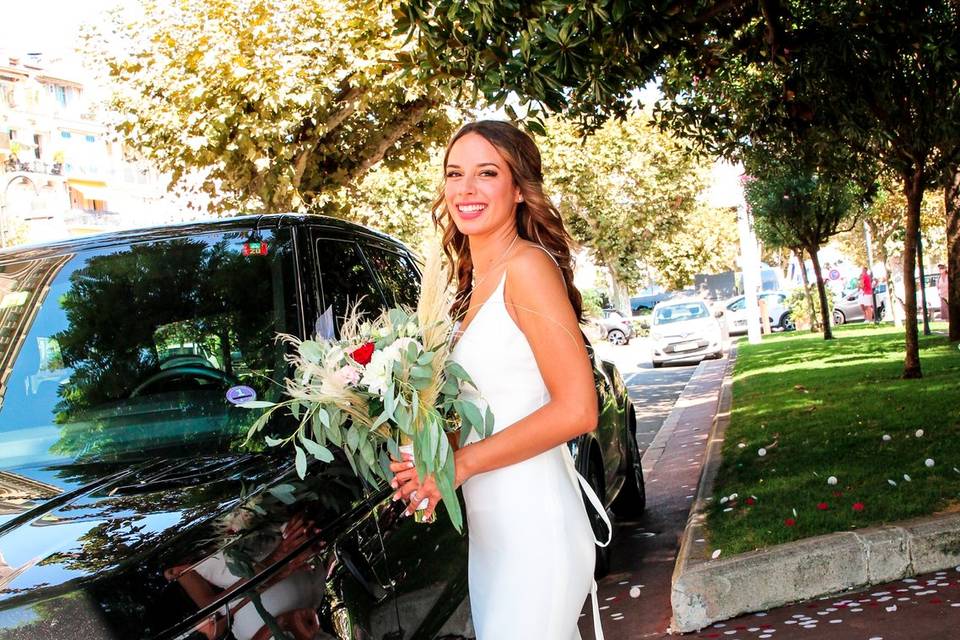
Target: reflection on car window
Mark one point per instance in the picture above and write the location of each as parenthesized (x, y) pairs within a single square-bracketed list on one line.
[(397, 276), (130, 348), (739, 305), (345, 281), (680, 312)]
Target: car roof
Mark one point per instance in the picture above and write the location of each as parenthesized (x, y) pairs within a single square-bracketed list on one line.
[(680, 300), (165, 232)]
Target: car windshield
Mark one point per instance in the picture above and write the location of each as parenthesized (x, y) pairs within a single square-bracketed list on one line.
[(122, 350), (680, 312)]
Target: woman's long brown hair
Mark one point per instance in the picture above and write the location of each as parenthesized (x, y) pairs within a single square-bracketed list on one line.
[(538, 220)]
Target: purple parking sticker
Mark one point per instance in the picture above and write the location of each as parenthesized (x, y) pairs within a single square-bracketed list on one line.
[(240, 394)]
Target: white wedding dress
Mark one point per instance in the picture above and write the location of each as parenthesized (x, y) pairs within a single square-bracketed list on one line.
[(531, 552)]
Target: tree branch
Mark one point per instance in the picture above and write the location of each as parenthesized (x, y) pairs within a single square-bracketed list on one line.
[(374, 152)]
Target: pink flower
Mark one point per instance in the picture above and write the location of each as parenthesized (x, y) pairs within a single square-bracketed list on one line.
[(347, 375)]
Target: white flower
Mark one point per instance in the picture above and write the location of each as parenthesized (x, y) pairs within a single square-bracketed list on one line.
[(376, 375), (411, 329)]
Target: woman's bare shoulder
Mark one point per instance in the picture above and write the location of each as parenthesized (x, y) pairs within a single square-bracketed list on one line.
[(533, 273)]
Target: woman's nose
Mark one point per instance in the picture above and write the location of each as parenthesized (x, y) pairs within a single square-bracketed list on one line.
[(467, 184)]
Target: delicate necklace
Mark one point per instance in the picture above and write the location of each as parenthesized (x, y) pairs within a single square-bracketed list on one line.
[(477, 281)]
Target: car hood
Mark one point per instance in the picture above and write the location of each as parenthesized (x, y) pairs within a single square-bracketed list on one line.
[(107, 531)]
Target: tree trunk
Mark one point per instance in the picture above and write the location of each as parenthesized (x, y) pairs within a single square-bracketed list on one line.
[(913, 190), (892, 302), (822, 291), (951, 196), (806, 291)]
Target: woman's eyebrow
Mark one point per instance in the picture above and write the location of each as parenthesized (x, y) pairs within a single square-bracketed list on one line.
[(482, 164)]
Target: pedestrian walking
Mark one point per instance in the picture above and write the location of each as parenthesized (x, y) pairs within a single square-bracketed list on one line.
[(943, 288), (865, 285)]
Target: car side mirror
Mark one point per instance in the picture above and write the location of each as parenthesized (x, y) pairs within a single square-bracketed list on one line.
[(718, 314)]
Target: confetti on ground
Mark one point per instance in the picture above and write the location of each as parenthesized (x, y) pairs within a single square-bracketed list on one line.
[(832, 480)]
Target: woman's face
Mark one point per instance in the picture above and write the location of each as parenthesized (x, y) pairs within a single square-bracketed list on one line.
[(479, 191)]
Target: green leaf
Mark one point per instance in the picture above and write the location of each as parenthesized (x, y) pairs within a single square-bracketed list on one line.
[(311, 351), (301, 462), (488, 422), (455, 370), (318, 451), (420, 383), (421, 372), (323, 416), (273, 442), (394, 449), (283, 493), (257, 404), (335, 434), (353, 437), (471, 414), (426, 358)]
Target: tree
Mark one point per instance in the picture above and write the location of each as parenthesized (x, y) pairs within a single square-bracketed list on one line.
[(622, 191), (796, 206), (270, 104), (951, 197)]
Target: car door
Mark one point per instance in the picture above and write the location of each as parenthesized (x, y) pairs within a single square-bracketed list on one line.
[(428, 562)]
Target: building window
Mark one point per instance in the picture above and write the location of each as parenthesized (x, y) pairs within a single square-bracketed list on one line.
[(60, 93), (90, 139), (65, 134), (37, 147)]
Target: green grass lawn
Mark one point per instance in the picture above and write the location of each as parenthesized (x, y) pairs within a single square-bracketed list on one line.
[(823, 409)]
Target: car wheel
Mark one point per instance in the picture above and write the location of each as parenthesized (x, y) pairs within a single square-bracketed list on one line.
[(787, 323), (632, 499), (838, 317), (602, 566), (617, 337)]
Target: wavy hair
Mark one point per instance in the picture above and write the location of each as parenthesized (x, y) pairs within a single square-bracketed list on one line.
[(537, 219)]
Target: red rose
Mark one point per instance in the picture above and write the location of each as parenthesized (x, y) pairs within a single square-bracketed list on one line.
[(363, 354), (823, 506), (750, 501), (789, 522), (858, 506)]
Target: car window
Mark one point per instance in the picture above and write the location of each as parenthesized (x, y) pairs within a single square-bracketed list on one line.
[(738, 305), (397, 275), (345, 282), (680, 312), (137, 347)]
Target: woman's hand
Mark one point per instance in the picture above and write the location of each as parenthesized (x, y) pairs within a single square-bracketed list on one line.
[(413, 492)]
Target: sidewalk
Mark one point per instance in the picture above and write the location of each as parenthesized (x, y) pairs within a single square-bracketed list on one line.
[(635, 601)]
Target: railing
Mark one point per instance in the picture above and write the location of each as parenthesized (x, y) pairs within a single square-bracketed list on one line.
[(34, 166)]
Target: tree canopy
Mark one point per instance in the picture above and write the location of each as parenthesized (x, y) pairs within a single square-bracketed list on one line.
[(271, 104)]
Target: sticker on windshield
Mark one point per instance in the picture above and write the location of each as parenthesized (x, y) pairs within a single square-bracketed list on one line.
[(240, 394)]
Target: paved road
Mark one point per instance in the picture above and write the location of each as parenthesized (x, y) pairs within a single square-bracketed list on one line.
[(635, 596)]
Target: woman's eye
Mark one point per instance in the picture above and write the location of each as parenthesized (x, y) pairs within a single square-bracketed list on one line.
[(489, 173), (453, 174)]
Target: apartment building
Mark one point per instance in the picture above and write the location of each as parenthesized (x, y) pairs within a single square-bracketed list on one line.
[(61, 173)]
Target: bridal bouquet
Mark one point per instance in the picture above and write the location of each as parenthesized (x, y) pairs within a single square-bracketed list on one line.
[(385, 387)]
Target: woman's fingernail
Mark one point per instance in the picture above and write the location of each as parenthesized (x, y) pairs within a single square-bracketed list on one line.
[(410, 465), (393, 484), (396, 497)]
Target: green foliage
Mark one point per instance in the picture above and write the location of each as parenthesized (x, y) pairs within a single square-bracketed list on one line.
[(799, 301), (629, 193), (271, 105), (822, 409), (592, 302)]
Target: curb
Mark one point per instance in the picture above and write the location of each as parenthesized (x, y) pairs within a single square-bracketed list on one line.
[(705, 591)]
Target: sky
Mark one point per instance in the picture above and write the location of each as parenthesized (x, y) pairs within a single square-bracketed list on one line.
[(48, 26)]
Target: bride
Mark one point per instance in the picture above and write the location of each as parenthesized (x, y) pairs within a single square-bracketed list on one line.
[(531, 556)]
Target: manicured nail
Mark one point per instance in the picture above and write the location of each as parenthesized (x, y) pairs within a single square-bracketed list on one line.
[(396, 497), (410, 465), (393, 483)]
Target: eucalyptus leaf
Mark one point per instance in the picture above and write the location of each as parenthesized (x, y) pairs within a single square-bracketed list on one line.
[(257, 404), (301, 462), (311, 351), (488, 422), (420, 383), (421, 372), (317, 450), (426, 358), (353, 437), (283, 493)]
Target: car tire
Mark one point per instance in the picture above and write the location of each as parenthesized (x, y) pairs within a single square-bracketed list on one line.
[(787, 323), (838, 317), (657, 365), (632, 499), (617, 337), (599, 527)]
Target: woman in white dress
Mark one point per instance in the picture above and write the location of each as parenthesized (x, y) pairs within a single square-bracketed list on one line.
[(531, 555)]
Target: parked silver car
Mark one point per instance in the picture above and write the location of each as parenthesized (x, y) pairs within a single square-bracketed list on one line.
[(684, 329), (846, 305), (615, 327)]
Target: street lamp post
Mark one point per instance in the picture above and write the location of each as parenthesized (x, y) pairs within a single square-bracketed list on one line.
[(873, 284)]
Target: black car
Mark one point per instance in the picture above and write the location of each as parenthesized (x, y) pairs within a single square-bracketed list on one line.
[(132, 504)]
